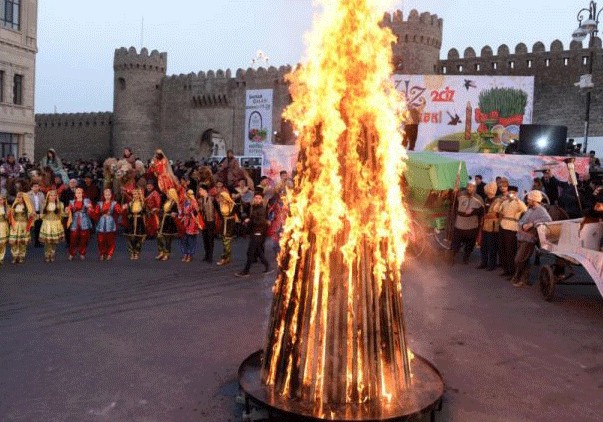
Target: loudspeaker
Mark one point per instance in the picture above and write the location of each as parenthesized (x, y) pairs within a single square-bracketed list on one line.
[(448, 146), (543, 139)]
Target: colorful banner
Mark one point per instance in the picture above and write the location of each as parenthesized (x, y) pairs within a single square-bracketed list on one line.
[(278, 158), (519, 169), (480, 113), (258, 120)]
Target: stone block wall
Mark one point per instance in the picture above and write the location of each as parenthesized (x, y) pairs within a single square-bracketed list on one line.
[(73, 136), (556, 99)]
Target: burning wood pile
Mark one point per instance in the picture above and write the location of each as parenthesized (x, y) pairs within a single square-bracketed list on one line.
[(336, 333)]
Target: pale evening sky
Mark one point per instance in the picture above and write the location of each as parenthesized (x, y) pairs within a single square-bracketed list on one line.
[(77, 39)]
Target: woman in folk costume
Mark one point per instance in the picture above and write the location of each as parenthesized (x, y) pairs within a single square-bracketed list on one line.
[(191, 224), (55, 164), (152, 202), (229, 220), (168, 228), (162, 169), (79, 223), (21, 217), (3, 227), (135, 230), (106, 213), (52, 232)]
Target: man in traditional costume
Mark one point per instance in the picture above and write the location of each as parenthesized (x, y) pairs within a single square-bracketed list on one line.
[(168, 229), (469, 209), (511, 209), (490, 227), (227, 211), (527, 237), (152, 203), (135, 231)]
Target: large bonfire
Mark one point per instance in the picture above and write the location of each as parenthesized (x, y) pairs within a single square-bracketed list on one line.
[(336, 333)]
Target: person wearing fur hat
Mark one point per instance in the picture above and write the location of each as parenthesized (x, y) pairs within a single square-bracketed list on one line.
[(527, 237), (511, 209), (4, 229), (168, 228), (490, 227), (469, 210), (51, 230), (106, 215), (21, 217), (258, 225), (229, 219)]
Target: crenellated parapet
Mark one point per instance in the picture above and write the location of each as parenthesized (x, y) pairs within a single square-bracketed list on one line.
[(74, 119), (557, 64), (125, 59), (424, 28), (241, 75), (418, 41)]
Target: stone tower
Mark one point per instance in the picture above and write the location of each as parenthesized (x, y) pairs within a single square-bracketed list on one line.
[(419, 39), (137, 96)]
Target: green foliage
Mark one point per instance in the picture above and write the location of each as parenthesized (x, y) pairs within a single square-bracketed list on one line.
[(508, 101)]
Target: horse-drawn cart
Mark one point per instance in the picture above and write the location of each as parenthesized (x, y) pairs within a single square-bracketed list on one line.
[(429, 183), (573, 243)]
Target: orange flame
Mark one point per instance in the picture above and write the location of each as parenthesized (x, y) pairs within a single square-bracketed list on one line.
[(337, 312)]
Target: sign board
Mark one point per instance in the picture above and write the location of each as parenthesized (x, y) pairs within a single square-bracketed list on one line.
[(258, 120), (467, 109)]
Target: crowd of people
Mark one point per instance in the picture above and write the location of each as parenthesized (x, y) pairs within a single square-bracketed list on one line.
[(503, 223), (55, 202)]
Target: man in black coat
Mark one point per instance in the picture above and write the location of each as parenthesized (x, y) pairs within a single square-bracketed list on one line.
[(551, 186), (258, 225)]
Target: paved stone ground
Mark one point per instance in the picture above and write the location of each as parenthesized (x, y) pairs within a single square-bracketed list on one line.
[(162, 341)]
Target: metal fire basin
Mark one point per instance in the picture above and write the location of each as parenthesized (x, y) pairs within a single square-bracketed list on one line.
[(423, 397)]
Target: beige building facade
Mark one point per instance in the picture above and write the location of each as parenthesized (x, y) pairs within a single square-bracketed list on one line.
[(18, 47)]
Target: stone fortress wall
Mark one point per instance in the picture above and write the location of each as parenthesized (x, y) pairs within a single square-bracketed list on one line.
[(74, 135), (556, 99), (178, 113), (418, 41)]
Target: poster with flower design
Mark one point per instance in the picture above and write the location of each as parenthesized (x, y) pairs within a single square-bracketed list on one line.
[(258, 120), (477, 113)]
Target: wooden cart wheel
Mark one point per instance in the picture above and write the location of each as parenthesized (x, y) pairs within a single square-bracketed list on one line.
[(417, 241), (440, 237), (547, 279)]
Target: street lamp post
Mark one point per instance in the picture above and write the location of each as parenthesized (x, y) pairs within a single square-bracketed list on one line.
[(588, 25)]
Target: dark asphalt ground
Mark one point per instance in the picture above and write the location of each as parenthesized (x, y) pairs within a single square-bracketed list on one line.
[(162, 341)]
